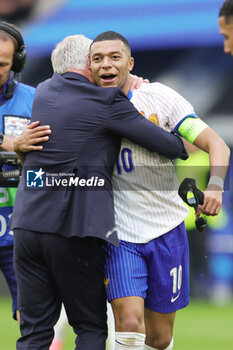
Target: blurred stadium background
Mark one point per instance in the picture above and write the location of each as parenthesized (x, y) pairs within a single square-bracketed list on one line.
[(175, 42)]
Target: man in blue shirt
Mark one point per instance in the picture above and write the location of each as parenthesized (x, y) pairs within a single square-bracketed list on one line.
[(15, 112)]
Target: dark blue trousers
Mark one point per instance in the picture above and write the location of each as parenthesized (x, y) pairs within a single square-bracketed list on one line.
[(52, 269)]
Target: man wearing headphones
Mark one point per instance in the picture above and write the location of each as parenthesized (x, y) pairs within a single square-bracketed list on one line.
[(15, 112)]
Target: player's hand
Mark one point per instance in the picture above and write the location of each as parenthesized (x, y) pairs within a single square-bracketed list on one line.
[(136, 82), (212, 201), (32, 135)]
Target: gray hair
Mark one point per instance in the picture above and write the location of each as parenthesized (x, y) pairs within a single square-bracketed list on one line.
[(70, 53)]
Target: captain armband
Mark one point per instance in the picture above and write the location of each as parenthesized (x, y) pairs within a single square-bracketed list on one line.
[(191, 127)]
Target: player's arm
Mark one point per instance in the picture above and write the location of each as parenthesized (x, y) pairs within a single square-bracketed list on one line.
[(198, 133), (30, 137)]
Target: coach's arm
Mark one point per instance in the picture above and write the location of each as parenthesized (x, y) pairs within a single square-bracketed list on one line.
[(125, 121)]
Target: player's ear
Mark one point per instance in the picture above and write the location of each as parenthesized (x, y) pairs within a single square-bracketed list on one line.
[(131, 63)]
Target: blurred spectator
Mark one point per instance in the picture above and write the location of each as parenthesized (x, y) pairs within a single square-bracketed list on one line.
[(14, 10), (219, 247), (23, 11)]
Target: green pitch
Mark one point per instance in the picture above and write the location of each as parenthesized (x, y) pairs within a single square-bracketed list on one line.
[(201, 326)]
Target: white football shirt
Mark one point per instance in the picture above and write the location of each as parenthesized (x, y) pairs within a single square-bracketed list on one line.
[(147, 204)]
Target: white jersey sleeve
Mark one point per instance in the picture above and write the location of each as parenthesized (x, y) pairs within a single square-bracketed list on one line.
[(147, 204), (170, 105)]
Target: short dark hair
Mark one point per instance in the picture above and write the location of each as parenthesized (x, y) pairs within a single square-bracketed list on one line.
[(226, 10), (111, 35)]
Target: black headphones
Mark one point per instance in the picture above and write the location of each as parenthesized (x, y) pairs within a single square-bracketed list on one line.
[(20, 54)]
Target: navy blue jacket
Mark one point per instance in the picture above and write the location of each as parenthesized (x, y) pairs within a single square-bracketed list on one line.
[(87, 124)]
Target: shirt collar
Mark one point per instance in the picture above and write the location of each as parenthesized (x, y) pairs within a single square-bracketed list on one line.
[(75, 76), (130, 94)]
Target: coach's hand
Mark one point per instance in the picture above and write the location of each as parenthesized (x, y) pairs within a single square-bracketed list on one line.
[(31, 136), (212, 201), (136, 82)]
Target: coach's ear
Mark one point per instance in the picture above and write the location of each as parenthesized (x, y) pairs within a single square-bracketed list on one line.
[(89, 72), (89, 62)]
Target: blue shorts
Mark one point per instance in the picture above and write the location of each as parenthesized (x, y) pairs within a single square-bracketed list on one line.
[(157, 271), (7, 268)]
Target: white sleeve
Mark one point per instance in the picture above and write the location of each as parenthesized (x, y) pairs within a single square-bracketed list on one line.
[(173, 106)]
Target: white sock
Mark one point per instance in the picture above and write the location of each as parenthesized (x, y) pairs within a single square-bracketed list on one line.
[(170, 346), (111, 328), (129, 340)]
